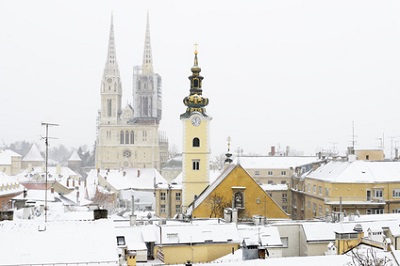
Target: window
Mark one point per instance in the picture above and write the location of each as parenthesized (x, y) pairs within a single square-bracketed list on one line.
[(144, 135), (126, 137), (285, 242), (284, 197), (270, 173), (196, 164), (378, 193), (314, 208), (320, 190), (132, 137), (109, 107), (121, 137), (177, 196), (396, 211), (256, 172), (283, 182), (283, 172), (238, 200), (284, 208), (162, 196), (319, 210), (396, 193), (368, 195), (162, 208), (120, 240), (308, 187), (270, 182), (314, 189), (196, 142), (177, 208), (308, 205), (326, 192)]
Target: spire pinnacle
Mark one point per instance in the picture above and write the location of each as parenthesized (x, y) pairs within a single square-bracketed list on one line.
[(111, 68), (147, 65)]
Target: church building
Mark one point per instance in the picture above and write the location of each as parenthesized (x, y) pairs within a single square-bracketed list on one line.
[(129, 137)]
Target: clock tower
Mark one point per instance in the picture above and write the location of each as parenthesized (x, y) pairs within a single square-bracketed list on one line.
[(196, 140)]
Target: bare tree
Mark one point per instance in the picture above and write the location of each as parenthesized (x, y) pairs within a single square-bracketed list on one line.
[(367, 258), (217, 203)]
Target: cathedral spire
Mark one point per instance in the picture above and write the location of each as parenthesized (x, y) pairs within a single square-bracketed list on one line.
[(111, 68), (147, 66)]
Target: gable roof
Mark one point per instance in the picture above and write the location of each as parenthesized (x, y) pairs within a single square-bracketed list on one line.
[(6, 155), (274, 162)]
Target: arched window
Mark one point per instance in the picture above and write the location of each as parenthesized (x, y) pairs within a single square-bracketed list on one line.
[(121, 137), (196, 83), (196, 164), (196, 142), (127, 137), (132, 137)]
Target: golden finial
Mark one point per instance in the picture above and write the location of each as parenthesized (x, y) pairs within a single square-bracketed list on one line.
[(195, 47)]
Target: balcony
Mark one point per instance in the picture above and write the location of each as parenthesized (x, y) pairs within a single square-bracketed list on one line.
[(354, 201)]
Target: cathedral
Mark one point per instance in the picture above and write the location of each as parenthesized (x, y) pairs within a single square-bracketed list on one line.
[(129, 137)]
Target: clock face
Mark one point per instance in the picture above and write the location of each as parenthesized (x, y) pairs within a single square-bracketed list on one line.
[(196, 121), (127, 154)]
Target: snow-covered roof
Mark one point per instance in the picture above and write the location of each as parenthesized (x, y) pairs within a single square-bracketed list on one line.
[(9, 185), (55, 173), (274, 162), (29, 242), (267, 235), (357, 172), (6, 155), (33, 155), (199, 233), (135, 178), (74, 157)]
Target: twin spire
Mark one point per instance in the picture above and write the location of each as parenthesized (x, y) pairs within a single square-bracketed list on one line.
[(111, 68)]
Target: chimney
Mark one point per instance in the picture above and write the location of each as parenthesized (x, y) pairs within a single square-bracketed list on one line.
[(272, 153), (68, 182), (25, 192), (123, 173), (73, 182), (138, 173), (52, 190)]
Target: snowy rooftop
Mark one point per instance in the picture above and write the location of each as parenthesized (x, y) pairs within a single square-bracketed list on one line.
[(357, 172), (274, 162), (9, 185), (136, 178), (5, 156), (33, 155), (57, 242)]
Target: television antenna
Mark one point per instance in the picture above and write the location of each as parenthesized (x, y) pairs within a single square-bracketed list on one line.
[(46, 141)]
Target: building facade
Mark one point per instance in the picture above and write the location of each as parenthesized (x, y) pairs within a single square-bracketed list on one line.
[(129, 137)]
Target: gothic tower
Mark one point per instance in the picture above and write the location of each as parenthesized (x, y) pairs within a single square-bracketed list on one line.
[(123, 140), (111, 91), (196, 140), (146, 87)]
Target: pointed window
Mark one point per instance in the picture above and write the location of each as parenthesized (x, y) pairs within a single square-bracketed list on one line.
[(108, 107), (127, 137), (196, 142), (121, 137), (132, 137)]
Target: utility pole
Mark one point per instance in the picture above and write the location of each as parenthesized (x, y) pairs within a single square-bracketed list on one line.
[(46, 141)]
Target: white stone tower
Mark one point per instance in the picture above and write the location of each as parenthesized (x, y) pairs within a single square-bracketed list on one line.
[(147, 94)]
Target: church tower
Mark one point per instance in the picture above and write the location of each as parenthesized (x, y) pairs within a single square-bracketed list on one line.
[(111, 89), (196, 140), (147, 87), (129, 137)]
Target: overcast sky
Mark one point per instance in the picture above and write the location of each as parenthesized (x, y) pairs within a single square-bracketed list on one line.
[(277, 73)]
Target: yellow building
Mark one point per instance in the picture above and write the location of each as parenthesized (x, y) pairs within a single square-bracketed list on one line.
[(196, 141), (351, 187), (236, 189)]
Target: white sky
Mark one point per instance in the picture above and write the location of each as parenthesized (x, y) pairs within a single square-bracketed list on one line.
[(283, 73)]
